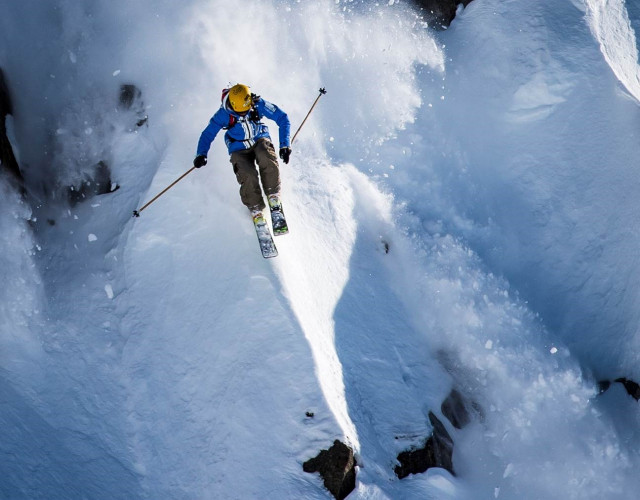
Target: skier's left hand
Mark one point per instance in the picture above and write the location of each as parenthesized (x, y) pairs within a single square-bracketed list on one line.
[(284, 154)]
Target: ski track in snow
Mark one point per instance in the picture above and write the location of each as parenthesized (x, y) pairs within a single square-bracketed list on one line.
[(161, 357)]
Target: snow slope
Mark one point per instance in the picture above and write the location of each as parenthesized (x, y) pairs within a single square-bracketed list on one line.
[(461, 207)]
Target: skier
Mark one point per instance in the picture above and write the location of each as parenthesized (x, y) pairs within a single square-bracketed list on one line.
[(248, 141)]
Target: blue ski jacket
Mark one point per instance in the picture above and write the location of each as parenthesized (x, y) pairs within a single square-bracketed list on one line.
[(242, 132)]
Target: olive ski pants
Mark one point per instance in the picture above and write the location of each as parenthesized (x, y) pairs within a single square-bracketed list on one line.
[(262, 153)]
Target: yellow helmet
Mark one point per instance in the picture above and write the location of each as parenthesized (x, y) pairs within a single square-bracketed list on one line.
[(240, 98)]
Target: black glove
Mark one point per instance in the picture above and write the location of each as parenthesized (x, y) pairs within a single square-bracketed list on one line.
[(284, 154), (200, 161)]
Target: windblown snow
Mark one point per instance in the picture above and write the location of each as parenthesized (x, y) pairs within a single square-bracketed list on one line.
[(462, 209)]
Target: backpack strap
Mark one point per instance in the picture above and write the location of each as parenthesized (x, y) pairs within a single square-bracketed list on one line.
[(254, 115)]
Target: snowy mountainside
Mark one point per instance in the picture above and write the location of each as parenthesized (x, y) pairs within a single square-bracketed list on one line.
[(459, 205)]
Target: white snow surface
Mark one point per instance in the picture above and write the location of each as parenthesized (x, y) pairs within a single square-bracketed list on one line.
[(463, 212)]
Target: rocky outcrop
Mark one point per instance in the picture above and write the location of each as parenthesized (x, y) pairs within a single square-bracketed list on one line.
[(7, 158), (6, 107), (632, 388), (437, 451), (337, 464), (336, 467), (439, 13)]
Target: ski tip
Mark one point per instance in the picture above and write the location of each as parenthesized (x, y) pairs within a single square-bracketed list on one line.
[(269, 251)]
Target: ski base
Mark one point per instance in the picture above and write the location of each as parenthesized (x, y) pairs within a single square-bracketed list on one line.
[(278, 220), (267, 246)]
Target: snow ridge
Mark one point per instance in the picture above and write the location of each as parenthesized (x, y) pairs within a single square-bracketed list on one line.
[(609, 21)]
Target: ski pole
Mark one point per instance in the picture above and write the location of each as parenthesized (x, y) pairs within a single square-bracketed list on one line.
[(136, 213), (322, 92)]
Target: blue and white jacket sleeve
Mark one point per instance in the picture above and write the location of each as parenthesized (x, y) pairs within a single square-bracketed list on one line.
[(273, 112), (219, 120)]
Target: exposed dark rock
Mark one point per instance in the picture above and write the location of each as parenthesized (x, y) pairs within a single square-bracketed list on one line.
[(603, 385), (7, 158), (455, 410), (336, 467), (128, 94), (416, 460), (131, 100), (99, 182), (632, 388), (6, 108), (459, 410), (440, 13), (442, 444), (436, 452)]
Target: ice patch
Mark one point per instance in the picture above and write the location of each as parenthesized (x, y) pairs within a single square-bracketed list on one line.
[(536, 99)]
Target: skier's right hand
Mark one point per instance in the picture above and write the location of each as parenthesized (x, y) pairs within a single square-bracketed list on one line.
[(200, 161)]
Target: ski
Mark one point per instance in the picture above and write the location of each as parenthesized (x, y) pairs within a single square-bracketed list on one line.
[(267, 246), (278, 220)]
